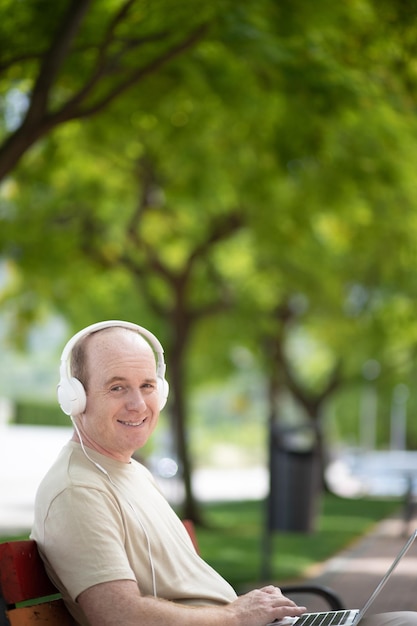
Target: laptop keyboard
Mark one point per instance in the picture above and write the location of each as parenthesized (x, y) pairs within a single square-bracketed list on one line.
[(324, 619)]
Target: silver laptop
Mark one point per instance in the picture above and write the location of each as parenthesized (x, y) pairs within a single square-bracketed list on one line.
[(348, 617)]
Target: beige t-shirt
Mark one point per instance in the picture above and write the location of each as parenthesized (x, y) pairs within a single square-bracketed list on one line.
[(93, 527)]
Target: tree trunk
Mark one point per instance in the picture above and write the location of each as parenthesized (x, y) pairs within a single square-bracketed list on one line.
[(178, 412)]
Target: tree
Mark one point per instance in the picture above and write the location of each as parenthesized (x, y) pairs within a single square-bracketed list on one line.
[(265, 181)]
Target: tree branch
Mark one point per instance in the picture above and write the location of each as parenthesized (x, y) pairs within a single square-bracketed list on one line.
[(54, 59), (38, 122), (73, 108)]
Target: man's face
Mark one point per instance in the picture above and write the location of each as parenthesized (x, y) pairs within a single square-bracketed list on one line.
[(122, 399)]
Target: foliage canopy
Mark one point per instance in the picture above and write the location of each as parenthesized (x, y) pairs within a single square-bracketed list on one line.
[(242, 172)]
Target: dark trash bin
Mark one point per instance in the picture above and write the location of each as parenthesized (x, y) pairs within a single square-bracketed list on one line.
[(295, 478)]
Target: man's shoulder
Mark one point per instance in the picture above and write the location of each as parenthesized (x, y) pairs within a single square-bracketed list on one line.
[(70, 468)]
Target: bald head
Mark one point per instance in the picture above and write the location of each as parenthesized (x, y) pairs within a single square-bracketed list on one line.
[(99, 345)]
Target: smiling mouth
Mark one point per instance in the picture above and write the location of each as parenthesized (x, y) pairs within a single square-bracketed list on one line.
[(132, 424)]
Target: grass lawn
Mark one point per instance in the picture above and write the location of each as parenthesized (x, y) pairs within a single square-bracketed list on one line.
[(233, 541)]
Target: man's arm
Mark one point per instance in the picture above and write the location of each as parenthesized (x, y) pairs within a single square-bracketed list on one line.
[(120, 602)]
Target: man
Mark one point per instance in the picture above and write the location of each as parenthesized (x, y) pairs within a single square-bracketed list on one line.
[(110, 541)]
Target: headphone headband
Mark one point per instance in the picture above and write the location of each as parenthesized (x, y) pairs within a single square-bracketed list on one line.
[(71, 393)]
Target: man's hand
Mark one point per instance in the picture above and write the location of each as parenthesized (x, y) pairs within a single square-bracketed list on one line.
[(263, 606)]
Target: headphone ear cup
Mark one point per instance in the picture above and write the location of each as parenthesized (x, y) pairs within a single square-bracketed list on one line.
[(71, 396), (163, 390)]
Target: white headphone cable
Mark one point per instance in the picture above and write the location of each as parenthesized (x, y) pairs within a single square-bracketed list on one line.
[(104, 471)]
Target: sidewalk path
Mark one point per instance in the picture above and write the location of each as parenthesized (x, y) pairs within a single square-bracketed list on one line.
[(355, 572)]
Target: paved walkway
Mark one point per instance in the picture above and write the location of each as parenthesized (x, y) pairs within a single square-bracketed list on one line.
[(356, 571)]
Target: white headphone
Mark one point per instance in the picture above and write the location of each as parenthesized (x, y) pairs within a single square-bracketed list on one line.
[(71, 393)]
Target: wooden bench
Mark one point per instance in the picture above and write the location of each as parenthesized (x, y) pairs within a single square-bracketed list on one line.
[(29, 598)]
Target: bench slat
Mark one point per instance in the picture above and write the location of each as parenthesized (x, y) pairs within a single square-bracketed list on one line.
[(50, 613)]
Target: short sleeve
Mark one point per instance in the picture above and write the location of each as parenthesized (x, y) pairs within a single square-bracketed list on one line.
[(84, 540)]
